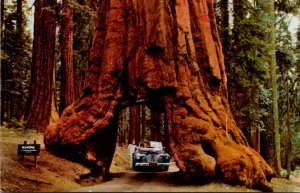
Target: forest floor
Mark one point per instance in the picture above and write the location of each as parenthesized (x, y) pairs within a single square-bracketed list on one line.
[(54, 174)]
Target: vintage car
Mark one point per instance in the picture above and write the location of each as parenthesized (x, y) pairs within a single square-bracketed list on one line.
[(149, 154)]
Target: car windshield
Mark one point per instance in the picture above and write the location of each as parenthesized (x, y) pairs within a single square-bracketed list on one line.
[(145, 144), (156, 144)]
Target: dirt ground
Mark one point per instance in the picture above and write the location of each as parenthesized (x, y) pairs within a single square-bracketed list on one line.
[(54, 174)]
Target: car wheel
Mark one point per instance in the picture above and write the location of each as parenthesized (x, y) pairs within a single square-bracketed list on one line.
[(165, 168), (133, 163)]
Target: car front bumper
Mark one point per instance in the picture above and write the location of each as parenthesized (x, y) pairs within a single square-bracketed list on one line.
[(151, 164)]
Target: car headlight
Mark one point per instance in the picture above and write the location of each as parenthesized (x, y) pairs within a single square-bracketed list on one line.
[(166, 157), (139, 155)]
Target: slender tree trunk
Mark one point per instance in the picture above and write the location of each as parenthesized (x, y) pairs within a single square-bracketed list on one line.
[(11, 107), (169, 52), (137, 126), (255, 129), (156, 125), (66, 43), (19, 14), (143, 121), (166, 135), (2, 16), (134, 125), (257, 146), (122, 125), (38, 106), (55, 91), (19, 98), (273, 147), (288, 144)]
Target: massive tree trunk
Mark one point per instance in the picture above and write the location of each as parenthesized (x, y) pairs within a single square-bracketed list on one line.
[(66, 43), (38, 107), (167, 52)]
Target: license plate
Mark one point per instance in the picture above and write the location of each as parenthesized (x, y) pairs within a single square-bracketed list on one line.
[(152, 164)]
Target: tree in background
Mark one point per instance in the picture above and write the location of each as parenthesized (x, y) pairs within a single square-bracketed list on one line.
[(245, 56), (76, 25), (66, 45), (134, 125), (143, 122), (84, 16), (38, 106), (288, 84), (245, 65), (2, 16), (295, 108), (273, 126), (15, 60)]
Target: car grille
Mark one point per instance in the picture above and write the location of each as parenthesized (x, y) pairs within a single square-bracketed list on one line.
[(153, 158)]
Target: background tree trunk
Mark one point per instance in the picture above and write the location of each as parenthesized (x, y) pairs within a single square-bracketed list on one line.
[(171, 53), (288, 143), (155, 125), (272, 149), (84, 16), (143, 122), (66, 43), (134, 125), (19, 14), (38, 107), (2, 17)]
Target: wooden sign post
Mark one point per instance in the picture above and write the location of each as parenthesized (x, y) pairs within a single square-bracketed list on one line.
[(29, 149)]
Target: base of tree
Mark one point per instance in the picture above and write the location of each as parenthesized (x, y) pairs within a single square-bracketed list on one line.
[(169, 52)]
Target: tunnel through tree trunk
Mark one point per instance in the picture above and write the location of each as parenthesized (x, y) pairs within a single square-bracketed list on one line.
[(170, 52)]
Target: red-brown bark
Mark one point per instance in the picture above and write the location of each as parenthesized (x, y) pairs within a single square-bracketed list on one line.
[(168, 52), (66, 43), (156, 126), (134, 125), (38, 106), (143, 122)]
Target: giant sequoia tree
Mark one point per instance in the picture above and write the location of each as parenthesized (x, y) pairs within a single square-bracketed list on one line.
[(38, 107), (66, 43), (167, 53)]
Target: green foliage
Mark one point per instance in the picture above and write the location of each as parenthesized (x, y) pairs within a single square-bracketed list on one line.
[(84, 17), (84, 24), (245, 57), (15, 64), (288, 82), (247, 69), (288, 6)]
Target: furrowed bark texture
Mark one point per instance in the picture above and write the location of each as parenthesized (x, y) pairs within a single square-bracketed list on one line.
[(67, 69), (38, 107), (170, 52)]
